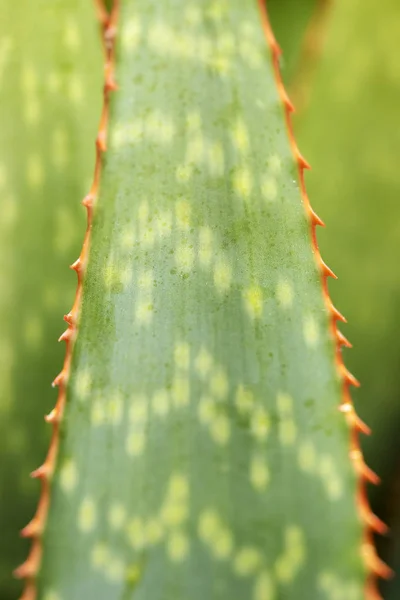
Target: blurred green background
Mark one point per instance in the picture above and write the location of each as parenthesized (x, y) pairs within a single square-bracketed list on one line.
[(342, 68)]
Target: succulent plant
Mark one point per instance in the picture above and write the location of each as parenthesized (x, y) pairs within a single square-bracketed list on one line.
[(50, 103), (198, 449)]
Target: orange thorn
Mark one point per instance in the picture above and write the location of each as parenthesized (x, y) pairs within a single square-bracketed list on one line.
[(67, 335), (348, 377), (52, 417), (111, 84), (33, 529), (326, 270), (315, 218), (343, 341), (362, 469), (69, 318), (301, 160), (374, 522), (41, 473), (58, 380), (374, 563), (88, 201), (348, 409), (101, 141), (29, 592), (77, 265), (335, 313)]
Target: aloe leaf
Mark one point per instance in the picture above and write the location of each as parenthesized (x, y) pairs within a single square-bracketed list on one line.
[(355, 184), (50, 75), (201, 453), (290, 20)]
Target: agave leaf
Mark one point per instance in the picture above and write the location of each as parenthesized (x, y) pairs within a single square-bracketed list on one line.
[(201, 451), (355, 185), (50, 70)]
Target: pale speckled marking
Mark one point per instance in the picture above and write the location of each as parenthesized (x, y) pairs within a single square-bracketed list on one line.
[(264, 587), (217, 537), (222, 276), (203, 362), (331, 479), (163, 224), (307, 456), (175, 508), (293, 558), (244, 400), (68, 476), (144, 312), (178, 546), (206, 410), (75, 89), (222, 545), (247, 561), (219, 384), (51, 595), (183, 173), (116, 515), (216, 159), (131, 34), (128, 237), (154, 531), (254, 301), (135, 531), (284, 293), (98, 413), (287, 425), (259, 473), (243, 182), (135, 443), (310, 331), (87, 516), (182, 214), (115, 408), (59, 146), (182, 355), (184, 257), (220, 429), (160, 403), (35, 171), (72, 37), (260, 423), (99, 555), (205, 246), (240, 136), (269, 188), (3, 176), (115, 569), (274, 164), (180, 391), (83, 384), (138, 411)]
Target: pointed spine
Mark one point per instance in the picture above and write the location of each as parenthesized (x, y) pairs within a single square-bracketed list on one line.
[(375, 567), (35, 528)]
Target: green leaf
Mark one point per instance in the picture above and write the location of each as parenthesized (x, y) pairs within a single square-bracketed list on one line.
[(290, 20), (50, 70), (202, 453), (354, 185)]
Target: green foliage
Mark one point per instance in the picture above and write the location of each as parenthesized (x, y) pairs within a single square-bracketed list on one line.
[(289, 19), (202, 454), (50, 69), (354, 185)]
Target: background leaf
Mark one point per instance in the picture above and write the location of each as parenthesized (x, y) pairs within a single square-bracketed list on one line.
[(50, 70)]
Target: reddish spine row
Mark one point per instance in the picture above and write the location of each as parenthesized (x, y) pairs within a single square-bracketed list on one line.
[(375, 567), (35, 529)]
